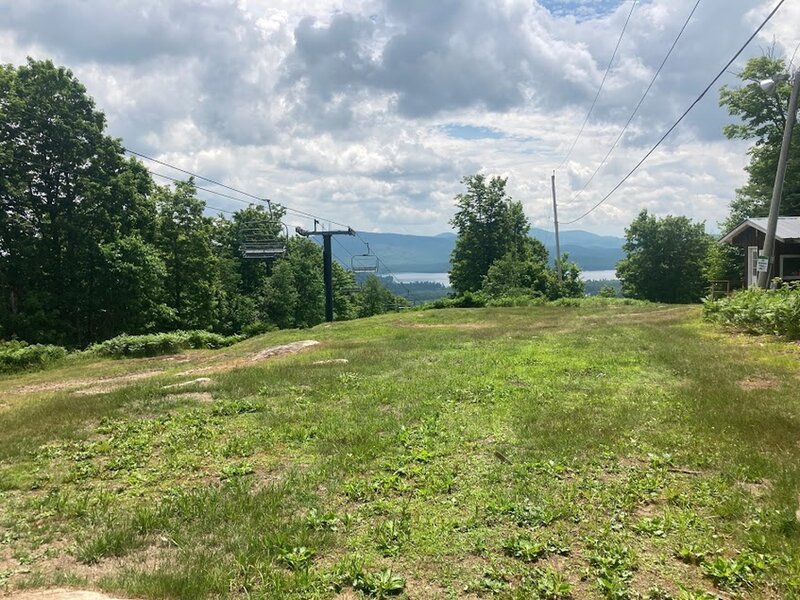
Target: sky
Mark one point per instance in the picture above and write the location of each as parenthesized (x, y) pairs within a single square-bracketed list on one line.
[(370, 112)]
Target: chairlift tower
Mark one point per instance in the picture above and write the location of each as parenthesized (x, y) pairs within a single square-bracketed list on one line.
[(327, 259)]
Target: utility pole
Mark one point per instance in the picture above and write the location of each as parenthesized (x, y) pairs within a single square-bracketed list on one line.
[(555, 222), (777, 190), (327, 262)]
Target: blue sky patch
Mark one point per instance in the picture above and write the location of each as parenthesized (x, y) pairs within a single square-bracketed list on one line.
[(581, 9), (471, 132)]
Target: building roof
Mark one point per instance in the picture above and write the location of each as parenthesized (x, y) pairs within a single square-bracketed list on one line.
[(788, 229)]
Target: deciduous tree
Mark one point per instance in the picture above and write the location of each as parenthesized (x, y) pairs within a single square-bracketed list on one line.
[(490, 225), (665, 259), (762, 118)]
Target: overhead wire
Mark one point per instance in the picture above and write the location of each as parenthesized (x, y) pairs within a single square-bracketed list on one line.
[(265, 200), (231, 188), (637, 107), (600, 88), (680, 119)]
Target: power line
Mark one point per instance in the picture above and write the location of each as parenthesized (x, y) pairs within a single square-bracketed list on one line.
[(638, 106), (210, 191), (240, 191), (686, 112), (231, 188), (600, 89), (195, 175)]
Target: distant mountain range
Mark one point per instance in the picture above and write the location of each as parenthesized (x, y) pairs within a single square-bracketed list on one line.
[(431, 254)]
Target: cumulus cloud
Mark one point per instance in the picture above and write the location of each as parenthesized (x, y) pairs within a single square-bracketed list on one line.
[(371, 111)]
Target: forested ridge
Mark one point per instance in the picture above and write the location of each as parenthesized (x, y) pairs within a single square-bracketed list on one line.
[(91, 246)]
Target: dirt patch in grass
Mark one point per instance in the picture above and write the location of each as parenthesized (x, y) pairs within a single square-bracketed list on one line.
[(61, 594), (759, 383), (104, 385), (757, 489), (443, 325), (87, 386), (196, 396), (267, 353), (200, 381)]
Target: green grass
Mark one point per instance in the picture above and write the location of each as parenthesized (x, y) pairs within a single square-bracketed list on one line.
[(593, 451)]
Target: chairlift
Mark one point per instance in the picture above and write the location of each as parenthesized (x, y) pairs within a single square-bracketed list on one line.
[(256, 243), (364, 263)]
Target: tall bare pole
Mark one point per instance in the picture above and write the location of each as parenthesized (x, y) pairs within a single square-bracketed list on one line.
[(777, 190), (555, 222)]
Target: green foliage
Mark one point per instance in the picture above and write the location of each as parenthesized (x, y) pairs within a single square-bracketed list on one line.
[(774, 311), (305, 258), (280, 295), (515, 274), (762, 118), (465, 300), (297, 559), (184, 239), (742, 571), (571, 284), (524, 548), (375, 299), (344, 302), (391, 535), (160, 343), (607, 291), (665, 259), (552, 585), (74, 216), (724, 263), (19, 356), (113, 541), (490, 225), (380, 584)]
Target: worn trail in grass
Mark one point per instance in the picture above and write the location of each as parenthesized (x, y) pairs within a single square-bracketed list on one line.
[(602, 451)]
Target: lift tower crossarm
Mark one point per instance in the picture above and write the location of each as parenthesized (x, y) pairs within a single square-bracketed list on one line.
[(327, 260)]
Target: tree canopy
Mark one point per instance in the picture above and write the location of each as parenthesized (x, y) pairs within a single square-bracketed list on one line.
[(665, 259), (91, 247), (762, 117), (490, 225), (494, 252)]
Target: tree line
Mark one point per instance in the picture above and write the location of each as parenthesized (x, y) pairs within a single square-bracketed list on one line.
[(668, 259), (673, 259), (91, 246)]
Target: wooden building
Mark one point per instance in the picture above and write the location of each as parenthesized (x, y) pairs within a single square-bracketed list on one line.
[(750, 234)]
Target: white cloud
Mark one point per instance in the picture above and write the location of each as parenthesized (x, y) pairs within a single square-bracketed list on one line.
[(351, 109)]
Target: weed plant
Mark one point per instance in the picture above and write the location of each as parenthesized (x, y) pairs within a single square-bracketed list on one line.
[(18, 356), (755, 310)]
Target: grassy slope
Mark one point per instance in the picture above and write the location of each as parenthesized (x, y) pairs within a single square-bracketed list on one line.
[(474, 452)]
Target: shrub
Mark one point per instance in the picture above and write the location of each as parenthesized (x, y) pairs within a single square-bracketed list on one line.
[(465, 300), (258, 328), (19, 356), (517, 300), (759, 311), (156, 344)]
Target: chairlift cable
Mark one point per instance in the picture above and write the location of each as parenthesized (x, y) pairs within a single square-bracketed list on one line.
[(600, 88), (636, 108), (680, 119)]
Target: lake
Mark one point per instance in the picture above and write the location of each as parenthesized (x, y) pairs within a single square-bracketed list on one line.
[(445, 280)]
